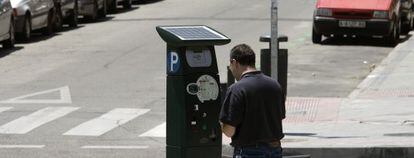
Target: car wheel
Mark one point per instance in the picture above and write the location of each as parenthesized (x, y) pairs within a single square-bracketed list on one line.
[(94, 12), (127, 4), (73, 18), (9, 43), (395, 35), (112, 6), (406, 27), (316, 38), (27, 29), (102, 11), (50, 22), (58, 18), (412, 23)]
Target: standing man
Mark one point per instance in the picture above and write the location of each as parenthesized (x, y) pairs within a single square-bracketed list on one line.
[(253, 109)]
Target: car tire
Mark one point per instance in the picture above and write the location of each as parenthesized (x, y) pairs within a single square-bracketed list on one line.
[(72, 19), (9, 43), (127, 4), (316, 37), (395, 35), (48, 30), (58, 18), (102, 11), (94, 14), (112, 6), (407, 26), (27, 29)]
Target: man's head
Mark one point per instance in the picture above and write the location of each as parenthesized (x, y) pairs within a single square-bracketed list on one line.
[(242, 59)]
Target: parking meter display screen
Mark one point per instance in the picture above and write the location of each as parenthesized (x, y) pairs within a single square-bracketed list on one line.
[(198, 58), (194, 33)]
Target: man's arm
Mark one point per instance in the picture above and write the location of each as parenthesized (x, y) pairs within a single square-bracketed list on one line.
[(228, 130)]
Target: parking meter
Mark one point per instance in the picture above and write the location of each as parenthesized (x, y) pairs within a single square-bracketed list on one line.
[(193, 92)]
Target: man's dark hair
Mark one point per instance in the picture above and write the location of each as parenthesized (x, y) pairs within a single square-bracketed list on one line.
[(243, 54)]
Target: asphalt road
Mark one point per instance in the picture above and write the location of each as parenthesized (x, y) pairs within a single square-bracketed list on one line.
[(56, 89)]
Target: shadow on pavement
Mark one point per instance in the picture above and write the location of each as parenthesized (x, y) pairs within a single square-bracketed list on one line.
[(143, 2), (361, 41), (99, 20), (66, 28), (122, 10), (5, 52), (38, 37), (300, 134)]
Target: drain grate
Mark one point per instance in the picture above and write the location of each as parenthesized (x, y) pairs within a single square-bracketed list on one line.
[(299, 109)]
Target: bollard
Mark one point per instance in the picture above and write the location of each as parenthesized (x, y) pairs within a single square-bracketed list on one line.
[(265, 62)]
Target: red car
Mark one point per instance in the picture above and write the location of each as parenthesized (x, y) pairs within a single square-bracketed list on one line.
[(357, 17)]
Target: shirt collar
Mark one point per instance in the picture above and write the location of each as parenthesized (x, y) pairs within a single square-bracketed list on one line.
[(251, 73)]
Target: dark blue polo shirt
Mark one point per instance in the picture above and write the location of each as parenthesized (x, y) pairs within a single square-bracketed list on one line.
[(255, 106)]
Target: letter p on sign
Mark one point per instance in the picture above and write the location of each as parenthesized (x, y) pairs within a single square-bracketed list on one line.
[(173, 61)]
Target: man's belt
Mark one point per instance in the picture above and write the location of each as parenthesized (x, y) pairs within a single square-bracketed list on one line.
[(273, 144)]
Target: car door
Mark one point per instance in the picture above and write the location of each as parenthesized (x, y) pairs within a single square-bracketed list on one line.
[(40, 12), (5, 11)]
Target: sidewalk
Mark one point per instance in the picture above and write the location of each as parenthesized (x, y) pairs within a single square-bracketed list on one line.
[(375, 121)]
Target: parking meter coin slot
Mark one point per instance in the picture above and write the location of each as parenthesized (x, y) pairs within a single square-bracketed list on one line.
[(193, 125), (196, 108)]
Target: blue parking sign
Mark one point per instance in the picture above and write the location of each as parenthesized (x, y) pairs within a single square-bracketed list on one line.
[(173, 62)]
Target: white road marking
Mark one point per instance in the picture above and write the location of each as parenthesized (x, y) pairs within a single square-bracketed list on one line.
[(106, 122), (21, 146), (65, 97), (158, 131), (114, 147), (27, 123), (2, 109)]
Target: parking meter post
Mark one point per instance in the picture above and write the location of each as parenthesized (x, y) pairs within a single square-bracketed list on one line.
[(193, 91)]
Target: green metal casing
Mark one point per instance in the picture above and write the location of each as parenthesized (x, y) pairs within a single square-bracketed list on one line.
[(193, 129)]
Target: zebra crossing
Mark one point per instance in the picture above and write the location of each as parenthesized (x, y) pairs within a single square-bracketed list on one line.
[(27, 123), (93, 128)]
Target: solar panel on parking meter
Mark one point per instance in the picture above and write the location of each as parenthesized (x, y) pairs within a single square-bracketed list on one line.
[(193, 93)]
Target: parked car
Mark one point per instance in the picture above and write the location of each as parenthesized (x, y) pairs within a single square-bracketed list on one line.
[(66, 13), (6, 24), (92, 9), (356, 17), (112, 5), (33, 15), (407, 16)]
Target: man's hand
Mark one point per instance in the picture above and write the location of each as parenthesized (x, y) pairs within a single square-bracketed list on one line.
[(228, 130)]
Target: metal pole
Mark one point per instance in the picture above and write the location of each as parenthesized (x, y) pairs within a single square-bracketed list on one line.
[(274, 44)]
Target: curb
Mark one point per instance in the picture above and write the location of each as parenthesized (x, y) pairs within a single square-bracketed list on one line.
[(345, 152), (383, 69), (362, 152)]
